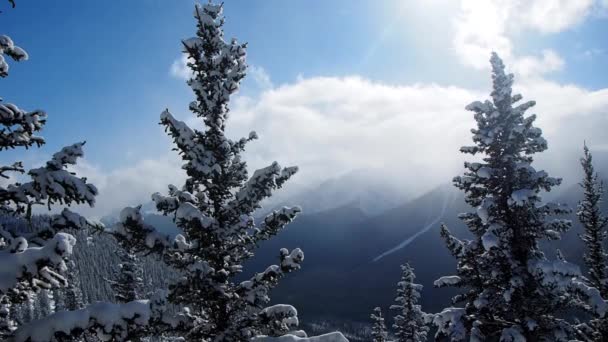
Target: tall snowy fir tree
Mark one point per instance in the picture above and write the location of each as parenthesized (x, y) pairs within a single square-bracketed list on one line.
[(512, 292), (410, 323), (590, 215), (214, 208), (594, 223), (379, 333), (34, 260)]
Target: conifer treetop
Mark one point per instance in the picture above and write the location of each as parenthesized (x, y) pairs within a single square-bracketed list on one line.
[(510, 288), (214, 207)]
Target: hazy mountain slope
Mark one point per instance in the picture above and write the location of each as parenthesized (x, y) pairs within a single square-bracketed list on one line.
[(339, 277), (372, 191)]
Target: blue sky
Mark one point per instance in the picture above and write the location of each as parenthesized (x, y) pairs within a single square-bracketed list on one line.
[(101, 70)]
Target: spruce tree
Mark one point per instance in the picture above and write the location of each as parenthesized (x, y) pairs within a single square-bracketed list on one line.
[(410, 321), (214, 207), (594, 236), (511, 290), (379, 333), (594, 223), (36, 260)]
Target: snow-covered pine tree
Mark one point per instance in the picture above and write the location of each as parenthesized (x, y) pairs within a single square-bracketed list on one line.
[(590, 215), (409, 323), (511, 290), (214, 208), (594, 223), (128, 281), (379, 333), (30, 262)]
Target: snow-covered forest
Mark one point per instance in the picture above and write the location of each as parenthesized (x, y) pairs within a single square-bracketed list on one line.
[(217, 257)]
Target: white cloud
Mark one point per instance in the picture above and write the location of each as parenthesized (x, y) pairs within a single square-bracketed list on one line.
[(130, 185), (490, 25), (552, 16), (530, 66), (179, 68), (260, 77), (329, 126)]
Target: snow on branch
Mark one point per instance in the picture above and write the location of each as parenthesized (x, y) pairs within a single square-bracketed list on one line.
[(255, 290), (136, 235), (108, 321), (450, 324), (330, 337), (275, 222), (278, 319), (38, 266), (260, 186), (68, 219), (7, 47), (54, 184), (20, 126)]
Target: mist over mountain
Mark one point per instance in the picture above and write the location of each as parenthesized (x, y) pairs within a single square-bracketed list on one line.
[(371, 190), (356, 230), (341, 244)]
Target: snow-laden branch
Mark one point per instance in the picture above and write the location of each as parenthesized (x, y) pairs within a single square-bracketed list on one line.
[(8, 48), (108, 321), (38, 266), (330, 337), (259, 187), (52, 183), (20, 126)]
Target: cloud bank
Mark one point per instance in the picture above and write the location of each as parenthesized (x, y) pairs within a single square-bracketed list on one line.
[(330, 125)]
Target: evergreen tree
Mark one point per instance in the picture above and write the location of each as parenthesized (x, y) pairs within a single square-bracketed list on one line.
[(214, 207), (590, 215), (511, 290), (128, 282), (379, 333), (594, 236), (36, 260), (409, 323)]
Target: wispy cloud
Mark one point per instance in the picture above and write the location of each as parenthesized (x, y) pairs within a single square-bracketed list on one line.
[(179, 68), (485, 26), (260, 77)]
